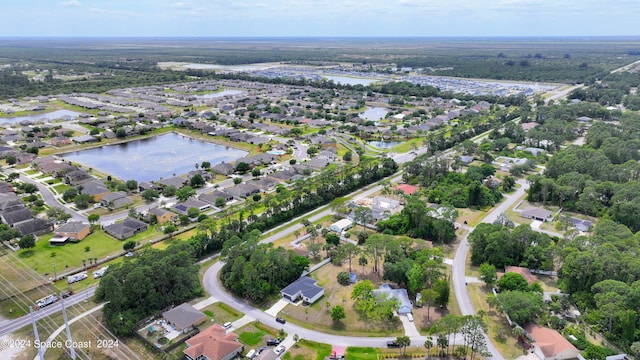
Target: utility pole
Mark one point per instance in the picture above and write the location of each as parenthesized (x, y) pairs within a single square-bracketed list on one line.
[(72, 350), (35, 333)]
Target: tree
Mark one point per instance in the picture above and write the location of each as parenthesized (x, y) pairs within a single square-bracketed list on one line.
[(29, 188), (192, 212), (333, 239), (442, 288), (513, 281), (488, 273), (429, 297), (343, 278), (82, 201), (337, 313), (169, 191), (362, 216), (348, 156), (242, 167), (150, 194), (220, 202), (169, 229), (362, 261), (403, 342), (185, 192), (256, 172), (93, 218), (129, 245), (196, 181), (428, 344), (27, 242), (131, 185), (55, 213), (237, 180), (205, 165), (522, 307)]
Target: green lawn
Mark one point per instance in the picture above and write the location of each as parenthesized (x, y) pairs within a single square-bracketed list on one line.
[(44, 257), (361, 353), (251, 338), (61, 188)]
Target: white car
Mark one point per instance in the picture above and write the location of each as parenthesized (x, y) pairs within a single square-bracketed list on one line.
[(279, 350)]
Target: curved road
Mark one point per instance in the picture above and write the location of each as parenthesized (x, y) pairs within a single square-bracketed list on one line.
[(460, 261)]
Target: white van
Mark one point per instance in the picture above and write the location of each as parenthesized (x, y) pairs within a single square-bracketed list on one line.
[(227, 325), (251, 354), (410, 316)]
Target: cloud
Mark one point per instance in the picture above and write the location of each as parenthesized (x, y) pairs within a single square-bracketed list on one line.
[(71, 3)]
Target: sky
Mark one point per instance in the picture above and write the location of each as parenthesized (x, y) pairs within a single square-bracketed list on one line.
[(319, 18)]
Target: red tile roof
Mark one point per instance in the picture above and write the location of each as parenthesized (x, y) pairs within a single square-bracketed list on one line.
[(549, 341), (407, 189), (526, 274), (213, 342)]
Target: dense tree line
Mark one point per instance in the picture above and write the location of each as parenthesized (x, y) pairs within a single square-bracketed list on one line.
[(601, 273), (255, 271), (14, 85), (602, 178), (501, 246), (146, 284), (472, 328), (452, 188), (415, 220)]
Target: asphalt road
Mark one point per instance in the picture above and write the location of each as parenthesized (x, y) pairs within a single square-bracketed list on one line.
[(460, 261), (15, 324)]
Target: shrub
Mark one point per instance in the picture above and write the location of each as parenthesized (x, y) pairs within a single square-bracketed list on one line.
[(343, 278)]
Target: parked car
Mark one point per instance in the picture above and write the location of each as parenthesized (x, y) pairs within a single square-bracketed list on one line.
[(281, 320), (227, 325), (392, 344), (410, 316), (279, 350), (274, 342)]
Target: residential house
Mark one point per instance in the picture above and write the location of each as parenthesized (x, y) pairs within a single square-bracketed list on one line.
[(95, 188), (211, 197), (581, 225), (76, 176), (526, 273), (73, 230), (382, 207), (174, 181), (33, 226), (162, 215), (16, 216), (83, 139), (184, 206), (265, 183), (213, 343), (537, 214), (184, 317), (549, 344), (341, 225), (223, 169), (386, 291), (115, 200), (126, 228), (243, 190), (407, 189), (304, 288)]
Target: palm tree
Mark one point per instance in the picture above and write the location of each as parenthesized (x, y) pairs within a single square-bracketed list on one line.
[(428, 344), (363, 261)]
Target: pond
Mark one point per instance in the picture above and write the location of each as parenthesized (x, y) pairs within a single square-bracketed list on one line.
[(384, 144), (54, 115), (155, 157), (219, 94), (374, 113), (346, 80)]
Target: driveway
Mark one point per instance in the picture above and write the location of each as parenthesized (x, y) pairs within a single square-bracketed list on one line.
[(410, 329), (277, 307)]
